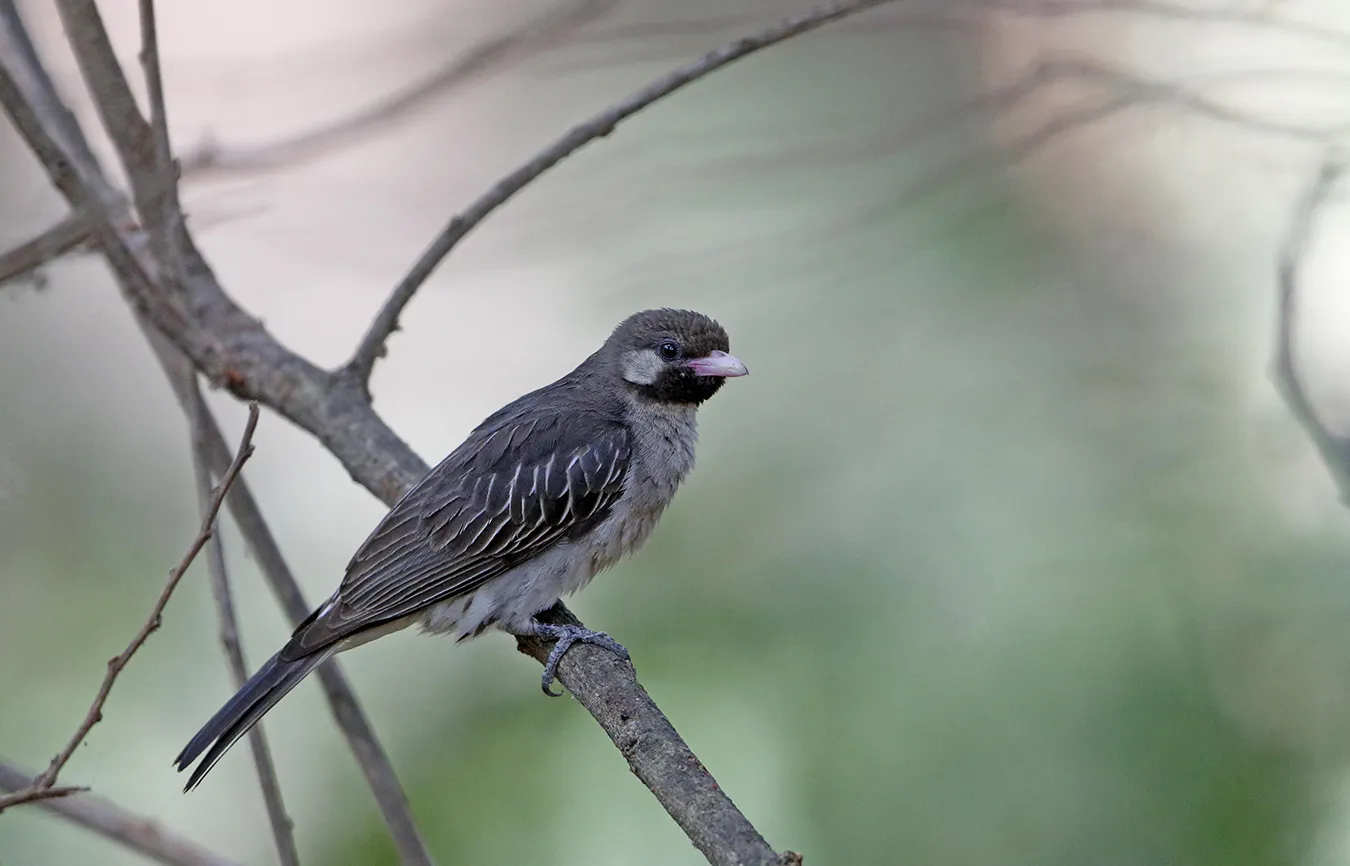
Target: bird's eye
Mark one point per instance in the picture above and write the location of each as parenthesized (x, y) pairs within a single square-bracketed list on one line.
[(669, 350)]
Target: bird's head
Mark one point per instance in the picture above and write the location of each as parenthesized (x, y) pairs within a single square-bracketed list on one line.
[(672, 356)]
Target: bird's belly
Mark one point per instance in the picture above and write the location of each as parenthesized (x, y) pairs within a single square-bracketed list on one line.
[(512, 599)]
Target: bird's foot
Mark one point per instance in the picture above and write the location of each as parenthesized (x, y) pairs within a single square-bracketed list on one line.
[(566, 635)]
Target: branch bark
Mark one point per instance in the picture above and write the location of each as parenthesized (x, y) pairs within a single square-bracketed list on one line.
[(136, 832)]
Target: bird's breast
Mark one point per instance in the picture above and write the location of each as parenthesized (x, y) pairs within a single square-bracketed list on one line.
[(663, 454)]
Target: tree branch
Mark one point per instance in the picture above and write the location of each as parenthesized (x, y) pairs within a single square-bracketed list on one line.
[(42, 786), (160, 185), (300, 391), (608, 688), (135, 832), (47, 247), (372, 345), (116, 105), (282, 827), (342, 701), (234, 350), (1333, 448)]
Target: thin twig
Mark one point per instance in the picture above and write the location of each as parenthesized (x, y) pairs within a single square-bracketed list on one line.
[(372, 345), (131, 135), (342, 701), (47, 247), (1333, 448), (372, 452), (138, 833), (42, 785), (161, 186), (283, 829)]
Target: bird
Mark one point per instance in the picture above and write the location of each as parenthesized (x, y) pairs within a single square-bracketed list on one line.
[(544, 494)]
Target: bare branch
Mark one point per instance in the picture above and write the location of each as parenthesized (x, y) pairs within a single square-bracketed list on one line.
[(154, 83), (1333, 447), (42, 785), (282, 827), (342, 701), (234, 350), (159, 188), (372, 345), (47, 247), (609, 690), (116, 105), (136, 832)]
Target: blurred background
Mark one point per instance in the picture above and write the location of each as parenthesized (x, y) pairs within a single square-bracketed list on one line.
[(1006, 553)]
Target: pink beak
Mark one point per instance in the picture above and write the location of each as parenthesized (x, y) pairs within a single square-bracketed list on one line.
[(717, 363)]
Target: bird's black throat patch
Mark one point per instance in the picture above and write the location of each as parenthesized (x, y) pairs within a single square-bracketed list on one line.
[(679, 384)]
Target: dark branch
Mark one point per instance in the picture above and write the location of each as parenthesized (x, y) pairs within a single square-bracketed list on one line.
[(372, 345), (1333, 447), (283, 832), (135, 832), (42, 786)]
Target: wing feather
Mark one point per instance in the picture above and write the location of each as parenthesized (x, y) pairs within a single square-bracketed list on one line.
[(505, 496)]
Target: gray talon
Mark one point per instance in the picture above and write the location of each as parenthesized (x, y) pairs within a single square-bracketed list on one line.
[(566, 635)]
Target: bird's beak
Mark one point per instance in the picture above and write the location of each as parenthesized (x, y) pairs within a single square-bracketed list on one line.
[(717, 363)]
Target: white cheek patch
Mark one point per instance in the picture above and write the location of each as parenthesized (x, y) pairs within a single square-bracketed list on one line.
[(642, 366)]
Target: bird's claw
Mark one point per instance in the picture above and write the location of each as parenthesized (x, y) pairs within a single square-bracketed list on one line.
[(566, 635)]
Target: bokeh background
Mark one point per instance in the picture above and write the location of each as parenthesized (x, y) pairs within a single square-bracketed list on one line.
[(1006, 553)]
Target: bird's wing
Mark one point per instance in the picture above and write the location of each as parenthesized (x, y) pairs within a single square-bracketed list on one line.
[(502, 498)]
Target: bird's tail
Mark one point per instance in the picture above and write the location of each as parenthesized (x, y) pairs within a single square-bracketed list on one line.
[(269, 685)]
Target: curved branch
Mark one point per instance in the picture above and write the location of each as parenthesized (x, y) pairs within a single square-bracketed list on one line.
[(372, 345), (1333, 447)]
